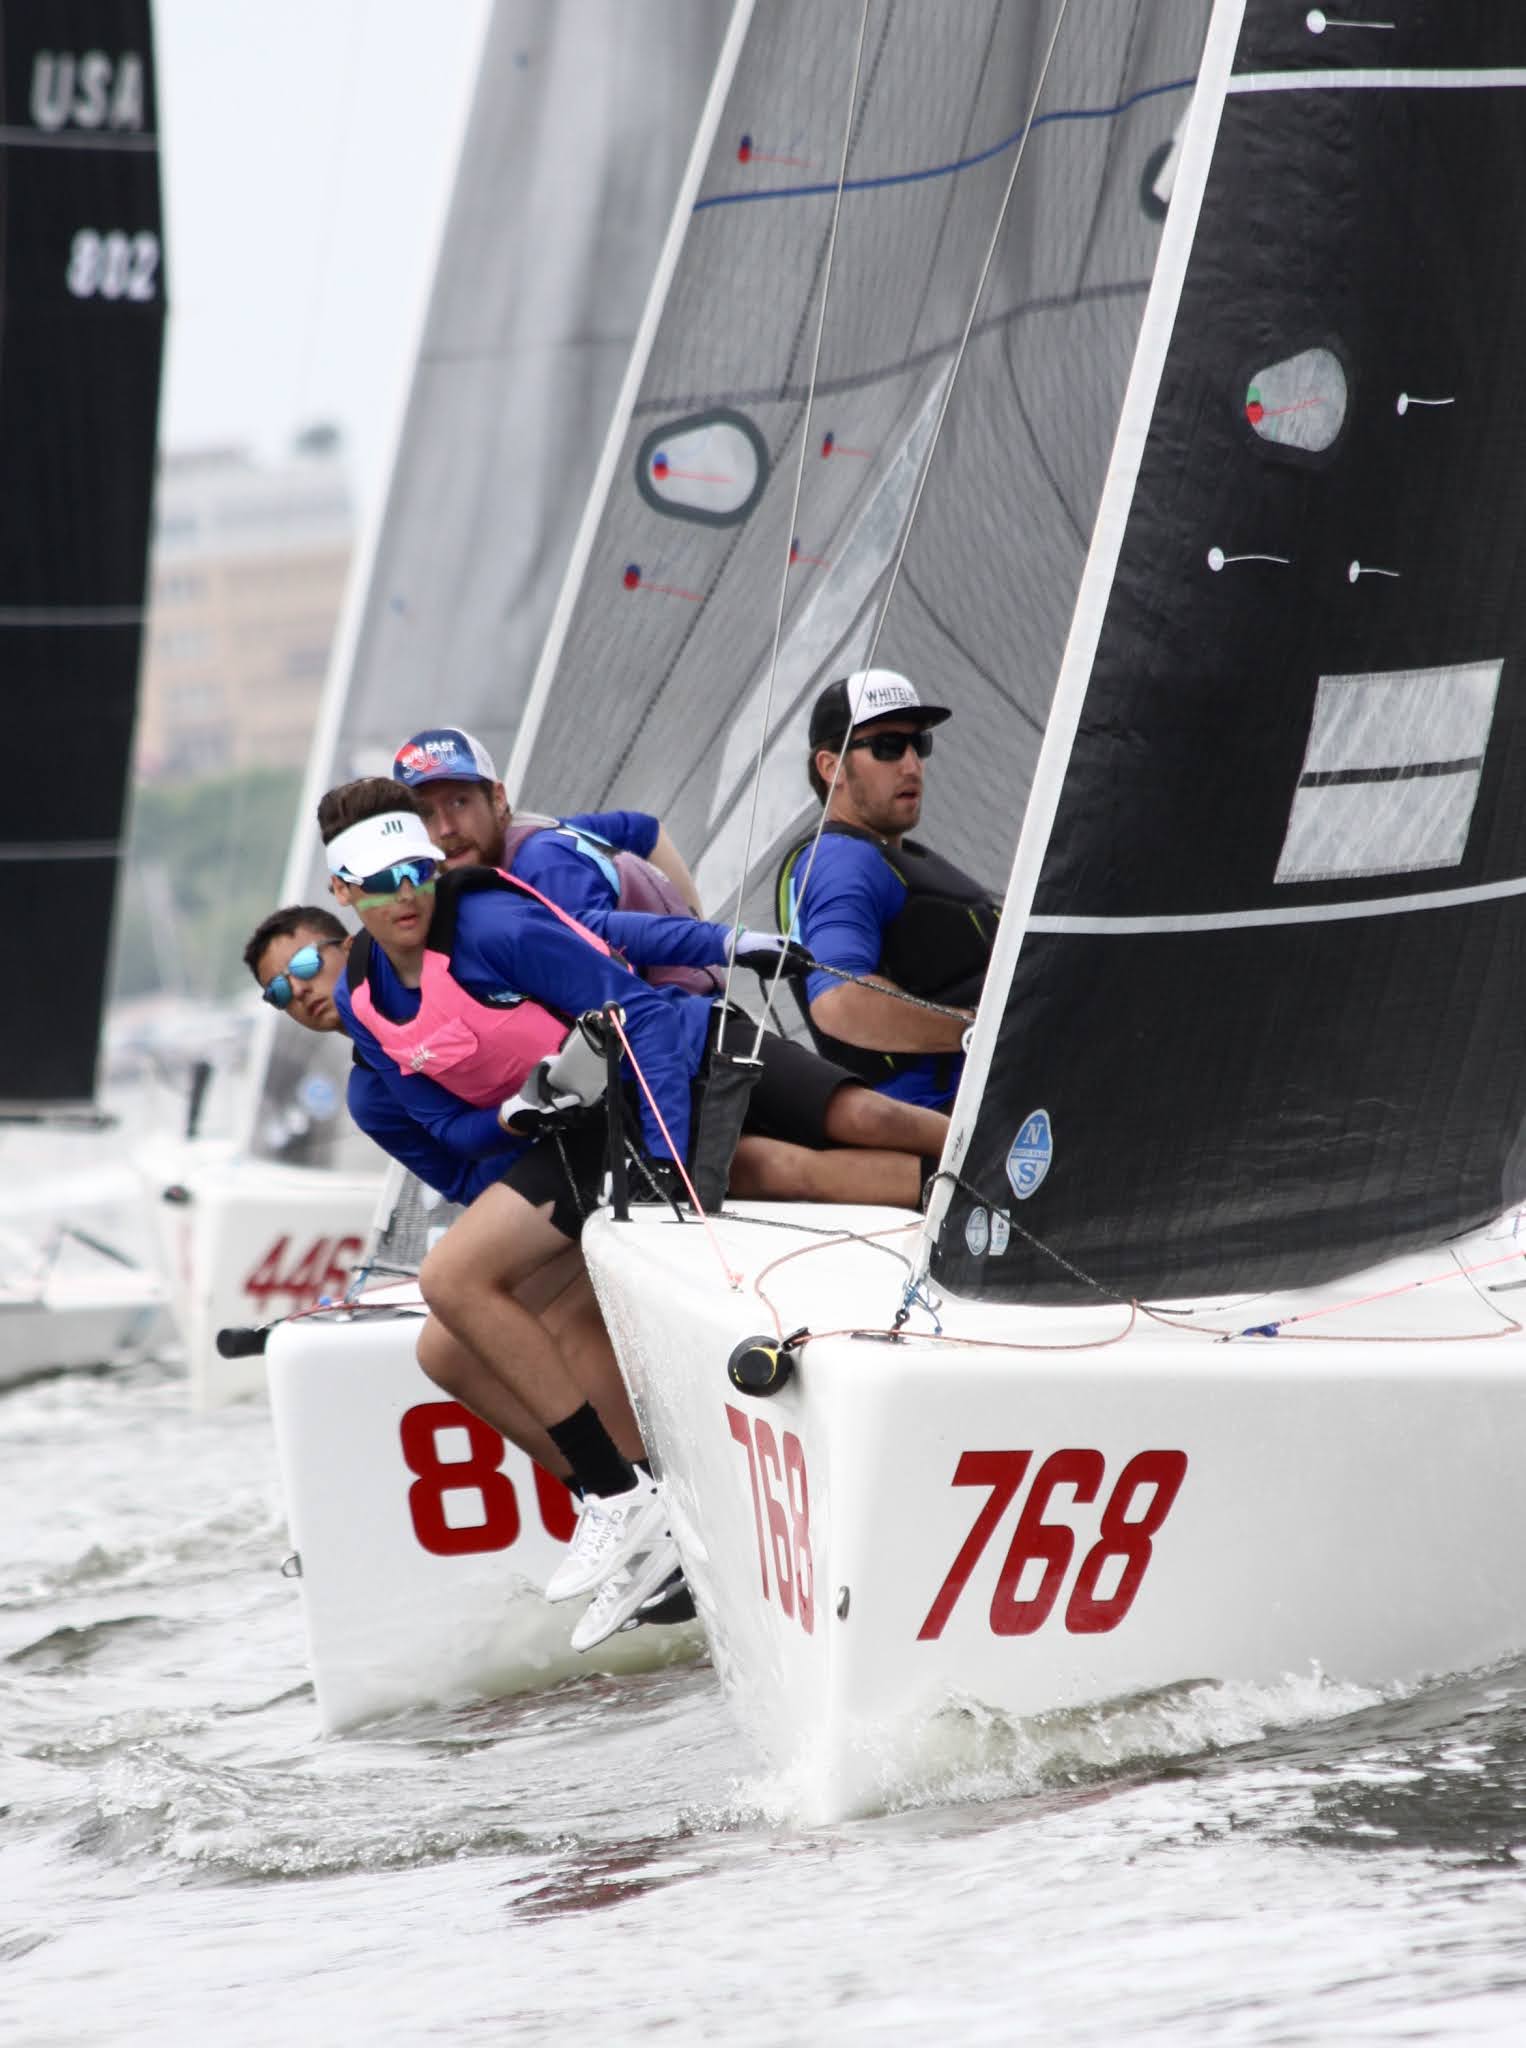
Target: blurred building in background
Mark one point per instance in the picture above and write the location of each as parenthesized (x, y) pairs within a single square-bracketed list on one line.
[(248, 573)]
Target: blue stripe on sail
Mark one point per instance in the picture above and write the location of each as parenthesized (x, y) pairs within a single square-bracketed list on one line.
[(964, 163)]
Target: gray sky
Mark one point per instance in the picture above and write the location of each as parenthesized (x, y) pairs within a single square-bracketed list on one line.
[(308, 148)]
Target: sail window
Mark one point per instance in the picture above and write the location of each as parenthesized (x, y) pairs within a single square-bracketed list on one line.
[(710, 467), (1299, 402), (1391, 772)]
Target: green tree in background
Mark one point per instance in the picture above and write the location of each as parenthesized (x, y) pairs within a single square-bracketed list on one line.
[(204, 863)]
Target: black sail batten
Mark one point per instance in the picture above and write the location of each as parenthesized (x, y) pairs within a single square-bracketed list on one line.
[(1265, 1024), (82, 307)]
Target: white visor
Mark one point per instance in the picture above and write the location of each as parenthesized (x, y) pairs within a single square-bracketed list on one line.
[(375, 843)]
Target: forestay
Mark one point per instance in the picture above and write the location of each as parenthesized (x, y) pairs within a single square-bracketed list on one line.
[(582, 119), (1263, 1022), (655, 693), (82, 307)]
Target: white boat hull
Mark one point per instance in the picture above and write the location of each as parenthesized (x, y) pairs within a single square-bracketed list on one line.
[(245, 1241), (423, 1540), (1090, 1505), (59, 1332)]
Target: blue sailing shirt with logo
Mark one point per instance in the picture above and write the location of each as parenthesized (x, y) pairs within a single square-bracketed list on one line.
[(851, 897)]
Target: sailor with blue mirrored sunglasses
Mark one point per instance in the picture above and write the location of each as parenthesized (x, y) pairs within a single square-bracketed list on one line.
[(385, 883), (379, 855), (303, 965)]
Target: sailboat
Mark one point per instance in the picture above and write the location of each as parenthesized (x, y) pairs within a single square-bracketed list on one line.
[(713, 395), (82, 307), (580, 123), (1205, 1362)]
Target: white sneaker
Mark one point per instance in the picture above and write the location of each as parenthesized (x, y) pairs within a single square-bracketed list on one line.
[(646, 1568), (608, 1530)]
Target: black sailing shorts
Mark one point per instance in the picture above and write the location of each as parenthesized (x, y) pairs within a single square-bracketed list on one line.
[(789, 1103)]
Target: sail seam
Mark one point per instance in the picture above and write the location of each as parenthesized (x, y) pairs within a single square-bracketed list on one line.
[(30, 138), (1376, 80), (1404, 771), (958, 164), (1293, 913)]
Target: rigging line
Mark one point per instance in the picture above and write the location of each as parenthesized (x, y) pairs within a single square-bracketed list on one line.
[(805, 437), (916, 497), (733, 1280)]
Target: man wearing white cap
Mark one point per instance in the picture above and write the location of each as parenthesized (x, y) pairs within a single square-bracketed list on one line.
[(885, 910)]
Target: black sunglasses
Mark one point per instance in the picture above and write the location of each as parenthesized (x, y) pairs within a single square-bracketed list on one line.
[(890, 746)]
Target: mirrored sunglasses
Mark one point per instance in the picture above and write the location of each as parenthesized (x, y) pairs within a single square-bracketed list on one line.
[(890, 746), (302, 966), (386, 882)]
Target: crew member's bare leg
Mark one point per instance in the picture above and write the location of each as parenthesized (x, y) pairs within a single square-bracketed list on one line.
[(862, 1116), (463, 1376), (558, 1363), (767, 1170)]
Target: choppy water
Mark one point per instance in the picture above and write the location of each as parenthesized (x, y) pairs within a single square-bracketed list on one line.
[(182, 1859)]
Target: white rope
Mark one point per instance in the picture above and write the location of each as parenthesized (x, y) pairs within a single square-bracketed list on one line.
[(916, 498), (805, 436)]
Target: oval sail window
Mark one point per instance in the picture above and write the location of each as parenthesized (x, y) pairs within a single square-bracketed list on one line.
[(1299, 402), (710, 467)]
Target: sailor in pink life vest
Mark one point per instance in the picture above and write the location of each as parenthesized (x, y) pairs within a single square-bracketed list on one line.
[(817, 1135), (590, 863)]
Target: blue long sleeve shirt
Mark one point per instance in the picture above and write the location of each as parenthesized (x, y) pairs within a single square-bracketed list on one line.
[(511, 948), (843, 910), (386, 1116)]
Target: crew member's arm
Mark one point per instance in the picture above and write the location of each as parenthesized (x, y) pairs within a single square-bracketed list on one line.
[(376, 1111), (850, 897), (550, 863), (522, 946)]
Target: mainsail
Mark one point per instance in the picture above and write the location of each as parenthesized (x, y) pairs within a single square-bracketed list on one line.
[(82, 307), (581, 121), (657, 691), (1267, 965)]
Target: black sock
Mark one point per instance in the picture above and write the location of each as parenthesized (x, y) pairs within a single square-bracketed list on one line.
[(589, 1449)]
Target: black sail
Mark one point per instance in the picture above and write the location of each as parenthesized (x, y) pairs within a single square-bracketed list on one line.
[(1267, 1022), (82, 307)]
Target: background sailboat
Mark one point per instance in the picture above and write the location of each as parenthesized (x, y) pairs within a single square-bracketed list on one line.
[(580, 123), (82, 308)]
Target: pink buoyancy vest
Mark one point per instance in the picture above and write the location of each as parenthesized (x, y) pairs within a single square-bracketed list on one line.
[(476, 1050), (640, 887)]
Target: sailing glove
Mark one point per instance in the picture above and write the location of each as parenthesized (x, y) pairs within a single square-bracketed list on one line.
[(545, 1103), (763, 951)]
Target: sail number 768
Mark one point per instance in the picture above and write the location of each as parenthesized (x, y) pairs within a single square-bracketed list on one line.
[(1038, 1559)]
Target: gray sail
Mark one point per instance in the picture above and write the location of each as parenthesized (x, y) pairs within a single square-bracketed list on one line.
[(654, 695), (582, 120)]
